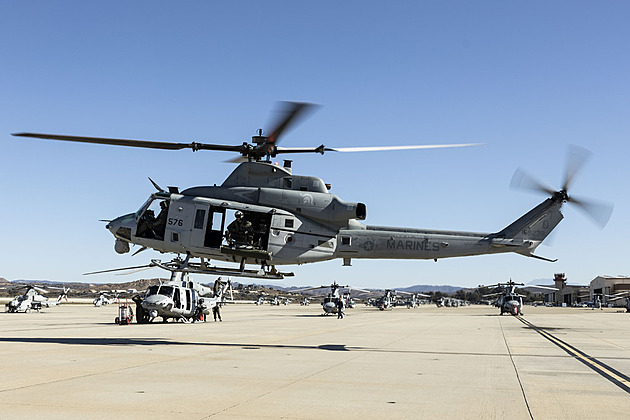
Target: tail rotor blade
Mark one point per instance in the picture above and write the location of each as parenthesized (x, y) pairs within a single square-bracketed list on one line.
[(576, 158), (524, 181), (599, 212)]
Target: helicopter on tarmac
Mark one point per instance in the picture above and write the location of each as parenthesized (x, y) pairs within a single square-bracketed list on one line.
[(32, 299), (621, 295), (508, 299), (180, 298), (329, 304), (280, 218), (104, 299), (390, 299)]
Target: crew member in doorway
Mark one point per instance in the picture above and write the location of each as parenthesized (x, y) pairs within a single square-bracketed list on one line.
[(240, 230)]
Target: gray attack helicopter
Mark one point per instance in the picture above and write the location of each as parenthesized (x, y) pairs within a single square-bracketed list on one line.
[(508, 300), (180, 298), (280, 218), (32, 299)]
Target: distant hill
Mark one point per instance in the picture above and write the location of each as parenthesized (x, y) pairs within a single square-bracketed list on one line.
[(420, 288), (89, 289), (427, 288)]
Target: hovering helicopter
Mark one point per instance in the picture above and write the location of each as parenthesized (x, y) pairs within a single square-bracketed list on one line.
[(32, 299), (179, 298), (286, 219), (508, 299)]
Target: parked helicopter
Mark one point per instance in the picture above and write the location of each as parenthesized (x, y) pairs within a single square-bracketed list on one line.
[(508, 299), (621, 295), (390, 299), (32, 299), (290, 219), (180, 298), (329, 304), (104, 299)]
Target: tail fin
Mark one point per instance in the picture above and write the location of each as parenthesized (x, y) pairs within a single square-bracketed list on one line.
[(526, 233)]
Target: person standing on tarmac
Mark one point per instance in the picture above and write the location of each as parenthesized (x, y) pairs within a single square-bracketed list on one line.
[(340, 308), (216, 312), (216, 309)]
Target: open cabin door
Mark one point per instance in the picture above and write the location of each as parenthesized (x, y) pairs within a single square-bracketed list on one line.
[(214, 227)]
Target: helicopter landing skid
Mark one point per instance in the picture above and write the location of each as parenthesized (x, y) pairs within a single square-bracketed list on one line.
[(265, 272), (237, 272), (247, 252)]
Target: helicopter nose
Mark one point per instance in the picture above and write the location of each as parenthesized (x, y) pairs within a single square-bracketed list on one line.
[(156, 302)]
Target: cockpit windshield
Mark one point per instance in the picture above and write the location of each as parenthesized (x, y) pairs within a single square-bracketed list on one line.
[(144, 207), (166, 291), (160, 290)]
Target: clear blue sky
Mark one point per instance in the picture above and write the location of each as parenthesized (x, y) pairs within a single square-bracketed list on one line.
[(526, 78)]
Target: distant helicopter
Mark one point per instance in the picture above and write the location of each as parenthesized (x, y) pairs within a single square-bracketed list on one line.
[(180, 298), (621, 295), (284, 219), (104, 299), (33, 300), (390, 298), (508, 299), (329, 304)]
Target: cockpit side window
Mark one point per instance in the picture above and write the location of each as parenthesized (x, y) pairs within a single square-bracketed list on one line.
[(150, 225), (152, 290), (166, 291)]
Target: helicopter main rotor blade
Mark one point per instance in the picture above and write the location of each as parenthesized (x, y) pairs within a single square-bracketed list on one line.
[(292, 112), (120, 269), (410, 147), (148, 144)]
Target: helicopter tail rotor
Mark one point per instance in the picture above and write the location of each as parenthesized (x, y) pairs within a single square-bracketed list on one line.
[(598, 212)]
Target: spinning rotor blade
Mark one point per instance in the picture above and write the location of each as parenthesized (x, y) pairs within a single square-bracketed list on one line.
[(524, 181), (410, 147), (577, 156), (291, 113), (598, 212)]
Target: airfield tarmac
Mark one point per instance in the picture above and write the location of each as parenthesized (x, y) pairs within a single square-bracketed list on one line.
[(289, 362)]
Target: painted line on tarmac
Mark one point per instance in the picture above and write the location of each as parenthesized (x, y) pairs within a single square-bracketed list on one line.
[(613, 375)]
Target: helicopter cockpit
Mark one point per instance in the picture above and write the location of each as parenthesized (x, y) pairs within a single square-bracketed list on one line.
[(160, 290), (151, 226)]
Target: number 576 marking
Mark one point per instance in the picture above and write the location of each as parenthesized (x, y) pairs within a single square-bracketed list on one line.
[(175, 222)]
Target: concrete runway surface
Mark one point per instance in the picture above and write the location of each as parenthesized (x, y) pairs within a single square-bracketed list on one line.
[(289, 362)]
